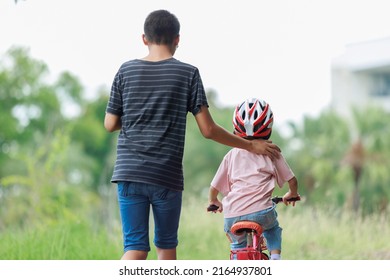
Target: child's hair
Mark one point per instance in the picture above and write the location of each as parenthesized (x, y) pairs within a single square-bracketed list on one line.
[(161, 27), (253, 119)]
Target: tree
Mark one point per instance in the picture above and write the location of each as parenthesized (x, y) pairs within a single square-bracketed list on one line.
[(45, 154), (316, 148), (43, 193), (368, 159), (32, 109), (29, 107), (98, 145)]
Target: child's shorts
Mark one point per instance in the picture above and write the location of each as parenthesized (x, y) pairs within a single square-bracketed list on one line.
[(268, 219)]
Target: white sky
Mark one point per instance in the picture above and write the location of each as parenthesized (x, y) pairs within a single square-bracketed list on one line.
[(278, 50)]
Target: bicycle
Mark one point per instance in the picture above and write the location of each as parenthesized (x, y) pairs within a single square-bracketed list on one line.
[(256, 243)]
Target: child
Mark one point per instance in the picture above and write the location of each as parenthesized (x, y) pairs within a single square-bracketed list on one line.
[(247, 180), (149, 102)]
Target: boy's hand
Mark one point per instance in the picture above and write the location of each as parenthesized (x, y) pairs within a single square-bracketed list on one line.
[(267, 148)]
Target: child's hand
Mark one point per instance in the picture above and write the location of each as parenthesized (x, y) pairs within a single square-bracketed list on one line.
[(218, 206), (288, 196)]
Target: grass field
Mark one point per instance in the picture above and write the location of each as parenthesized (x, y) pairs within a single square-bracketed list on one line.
[(308, 234)]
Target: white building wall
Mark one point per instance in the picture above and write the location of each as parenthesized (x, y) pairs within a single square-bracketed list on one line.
[(358, 74)]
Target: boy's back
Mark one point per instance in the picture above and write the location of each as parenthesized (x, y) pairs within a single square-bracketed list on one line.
[(153, 99)]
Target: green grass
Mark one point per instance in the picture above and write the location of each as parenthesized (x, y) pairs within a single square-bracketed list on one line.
[(308, 234), (326, 235), (63, 241)]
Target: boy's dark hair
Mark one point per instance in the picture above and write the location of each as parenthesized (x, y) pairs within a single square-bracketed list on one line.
[(161, 27)]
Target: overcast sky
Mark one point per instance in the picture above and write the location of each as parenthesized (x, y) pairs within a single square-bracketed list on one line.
[(277, 50)]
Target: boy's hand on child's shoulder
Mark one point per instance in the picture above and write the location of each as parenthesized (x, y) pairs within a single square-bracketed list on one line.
[(267, 148)]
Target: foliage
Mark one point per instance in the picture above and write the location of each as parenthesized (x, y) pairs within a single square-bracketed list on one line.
[(43, 193), (370, 164), (48, 160), (322, 154), (316, 147)]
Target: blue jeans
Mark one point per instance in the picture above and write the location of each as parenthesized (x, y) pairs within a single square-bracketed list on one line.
[(135, 200), (267, 219)]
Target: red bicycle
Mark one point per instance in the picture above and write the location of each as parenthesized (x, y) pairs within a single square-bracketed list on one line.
[(256, 244)]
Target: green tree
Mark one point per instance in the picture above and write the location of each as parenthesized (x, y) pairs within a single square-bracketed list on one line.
[(316, 149), (47, 156), (368, 160), (33, 137), (32, 109), (29, 107), (43, 194), (98, 145)]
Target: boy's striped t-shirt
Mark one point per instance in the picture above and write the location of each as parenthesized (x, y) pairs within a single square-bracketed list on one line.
[(153, 99)]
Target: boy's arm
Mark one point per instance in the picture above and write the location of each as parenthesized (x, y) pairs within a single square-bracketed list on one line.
[(112, 122), (213, 131)]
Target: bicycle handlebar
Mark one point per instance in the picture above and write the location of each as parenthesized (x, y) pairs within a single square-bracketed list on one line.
[(276, 200), (212, 207)]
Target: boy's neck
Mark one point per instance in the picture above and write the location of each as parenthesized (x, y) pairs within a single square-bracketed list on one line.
[(159, 53)]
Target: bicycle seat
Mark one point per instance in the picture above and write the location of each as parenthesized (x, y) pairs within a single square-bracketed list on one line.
[(246, 226)]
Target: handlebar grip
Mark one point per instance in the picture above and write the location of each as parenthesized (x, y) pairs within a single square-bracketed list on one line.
[(212, 207), (278, 199)]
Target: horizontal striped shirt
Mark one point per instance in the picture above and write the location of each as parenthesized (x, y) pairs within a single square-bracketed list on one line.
[(153, 99)]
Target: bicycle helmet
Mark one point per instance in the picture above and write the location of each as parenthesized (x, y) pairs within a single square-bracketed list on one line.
[(253, 118)]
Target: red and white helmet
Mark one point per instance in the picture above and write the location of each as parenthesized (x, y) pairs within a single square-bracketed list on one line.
[(253, 118)]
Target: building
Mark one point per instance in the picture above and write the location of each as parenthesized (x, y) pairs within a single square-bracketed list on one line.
[(361, 76)]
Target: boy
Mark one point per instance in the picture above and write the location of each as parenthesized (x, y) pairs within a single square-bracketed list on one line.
[(149, 101), (247, 180)]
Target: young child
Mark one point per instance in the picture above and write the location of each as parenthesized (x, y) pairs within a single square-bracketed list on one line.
[(149, 102), (247, 180)]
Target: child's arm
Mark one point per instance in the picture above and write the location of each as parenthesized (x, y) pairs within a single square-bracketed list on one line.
[(213, 199), (293, 192)]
